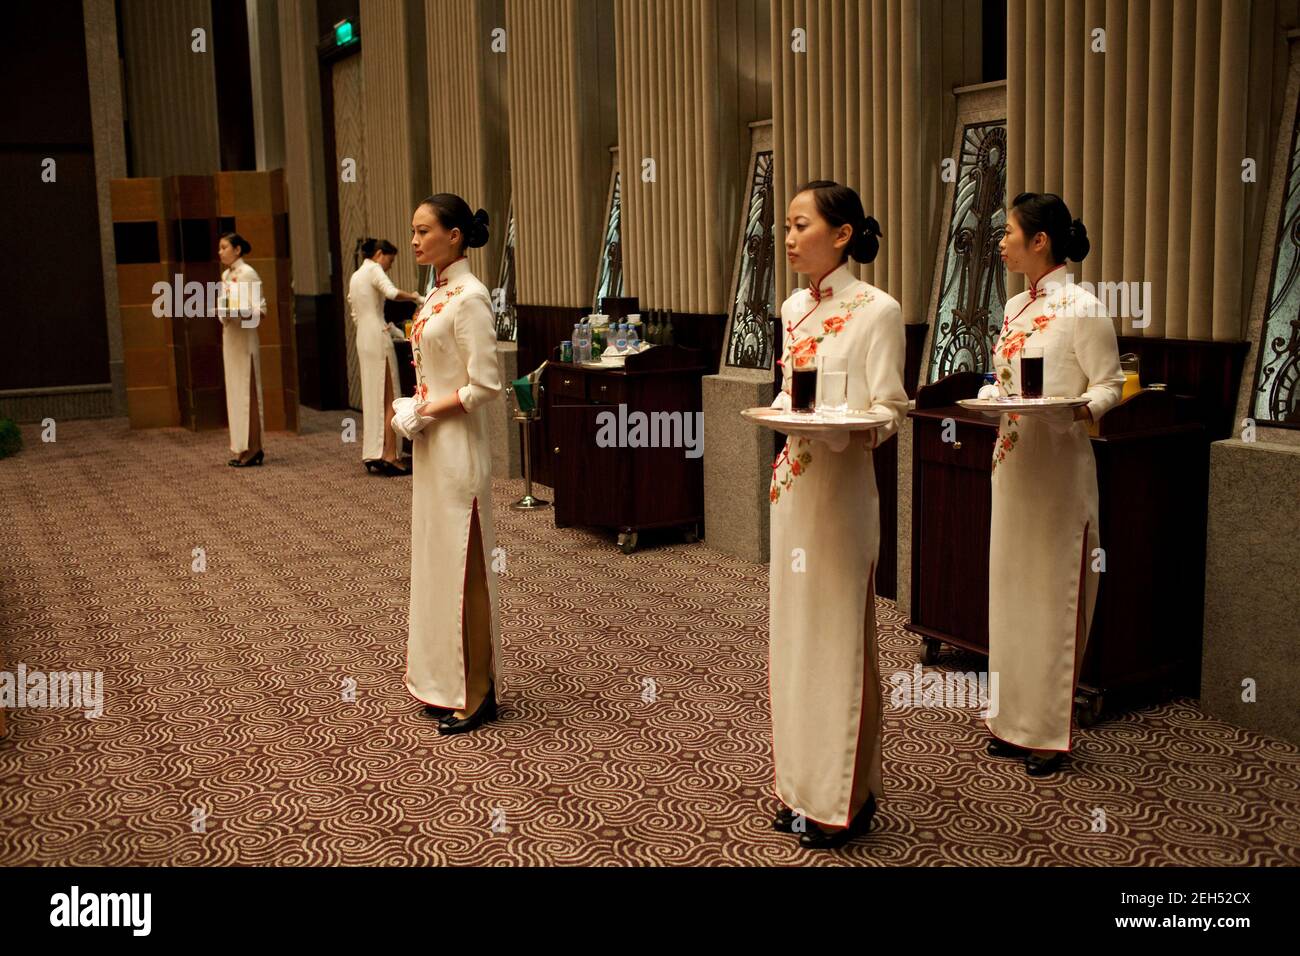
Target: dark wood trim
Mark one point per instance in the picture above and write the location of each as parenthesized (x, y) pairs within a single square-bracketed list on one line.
[(916, 333), (1206, 373)]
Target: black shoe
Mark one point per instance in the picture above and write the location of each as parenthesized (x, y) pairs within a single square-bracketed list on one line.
[(451, 724), (818, 839), (392, 470), (1000, 748), (784, 822), (373, 466), (432, 710), (1037, 766), (255, 460)]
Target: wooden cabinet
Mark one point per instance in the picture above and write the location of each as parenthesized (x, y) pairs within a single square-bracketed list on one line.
[(1152, 473), (640, 480)]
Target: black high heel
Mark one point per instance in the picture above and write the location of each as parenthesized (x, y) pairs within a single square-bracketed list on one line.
[(784, 822), (1001, 748), (255, 460), (392, 470), (433, 710), (818, 839), (451, 724), (1038, 766), (373, 466)]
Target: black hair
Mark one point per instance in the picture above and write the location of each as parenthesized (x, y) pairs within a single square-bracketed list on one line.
[(371, 246), (839, 205), (1048, 213), (453, 212), (238, 241)]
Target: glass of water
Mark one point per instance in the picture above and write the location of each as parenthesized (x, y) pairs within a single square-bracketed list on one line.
[(832, 386)]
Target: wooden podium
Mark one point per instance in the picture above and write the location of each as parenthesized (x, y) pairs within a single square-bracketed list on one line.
[(165, 228), (1152, 476), (628, 489)]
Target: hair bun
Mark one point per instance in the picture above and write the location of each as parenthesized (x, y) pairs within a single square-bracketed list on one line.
[(866, 240), (1078, 241), (478, 230)]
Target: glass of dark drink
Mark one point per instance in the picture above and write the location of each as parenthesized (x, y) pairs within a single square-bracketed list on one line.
[(1031, 373), (803, 384)]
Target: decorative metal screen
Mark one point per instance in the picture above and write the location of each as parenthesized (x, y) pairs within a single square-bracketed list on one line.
[(609, 277), (753, 309), (504, 304), (973, 290), (1277, 377)]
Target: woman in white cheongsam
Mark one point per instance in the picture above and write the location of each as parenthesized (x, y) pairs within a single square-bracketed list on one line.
[(825, 531), (453, 642), (240, 309), (1044, 539), (376, 357)]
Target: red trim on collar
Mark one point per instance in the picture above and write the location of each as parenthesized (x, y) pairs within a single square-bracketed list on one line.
[(1035, 288), (442, 281), (817, 293)]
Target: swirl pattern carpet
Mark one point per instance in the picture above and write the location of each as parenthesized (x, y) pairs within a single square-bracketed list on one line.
[(255, 714)]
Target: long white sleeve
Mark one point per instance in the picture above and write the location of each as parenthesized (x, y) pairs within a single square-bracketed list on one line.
[(782, 400), (1097, 350), (886, 355), (477, 338), (383, 283)]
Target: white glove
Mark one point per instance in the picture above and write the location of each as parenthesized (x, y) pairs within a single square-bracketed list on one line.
[(988, 391), (1059, 420), (408, 422), (837, 441), (782, 401)]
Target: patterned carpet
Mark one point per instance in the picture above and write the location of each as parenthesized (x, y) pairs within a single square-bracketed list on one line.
[(225, 695)]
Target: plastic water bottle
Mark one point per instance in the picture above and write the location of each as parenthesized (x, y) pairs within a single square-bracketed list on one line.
[(586, 342), (632, 342), (577, 342), (620, 337)]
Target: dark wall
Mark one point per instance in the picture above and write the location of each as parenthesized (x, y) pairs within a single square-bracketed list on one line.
[(234, 85), (994, 35), (52, 322)]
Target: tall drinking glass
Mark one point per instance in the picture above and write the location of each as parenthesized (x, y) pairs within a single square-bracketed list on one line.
[(803, 384), (832, 386), (1031, 373)]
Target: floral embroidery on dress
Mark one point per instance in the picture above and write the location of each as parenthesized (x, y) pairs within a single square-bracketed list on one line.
[(1004, 444), (806, 347), (417, 329), (794, 467)]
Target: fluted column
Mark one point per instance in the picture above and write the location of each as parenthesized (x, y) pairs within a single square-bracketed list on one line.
[(304, 149), (171, 93), (560, 73), (103, 70), (394, 177), (468, 127)]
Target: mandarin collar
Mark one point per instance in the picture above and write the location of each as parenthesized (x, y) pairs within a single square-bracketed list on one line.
[(453, 270), (1043, 286), (832, 282)]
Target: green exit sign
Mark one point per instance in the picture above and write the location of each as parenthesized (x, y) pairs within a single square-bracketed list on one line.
[(343, 33)]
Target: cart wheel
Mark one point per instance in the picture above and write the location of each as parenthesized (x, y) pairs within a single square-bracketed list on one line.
[(692, 534), (930, 651), (1087, 709), (627, 541)]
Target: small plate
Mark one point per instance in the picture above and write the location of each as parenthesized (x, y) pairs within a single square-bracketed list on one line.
[(796, 423)]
